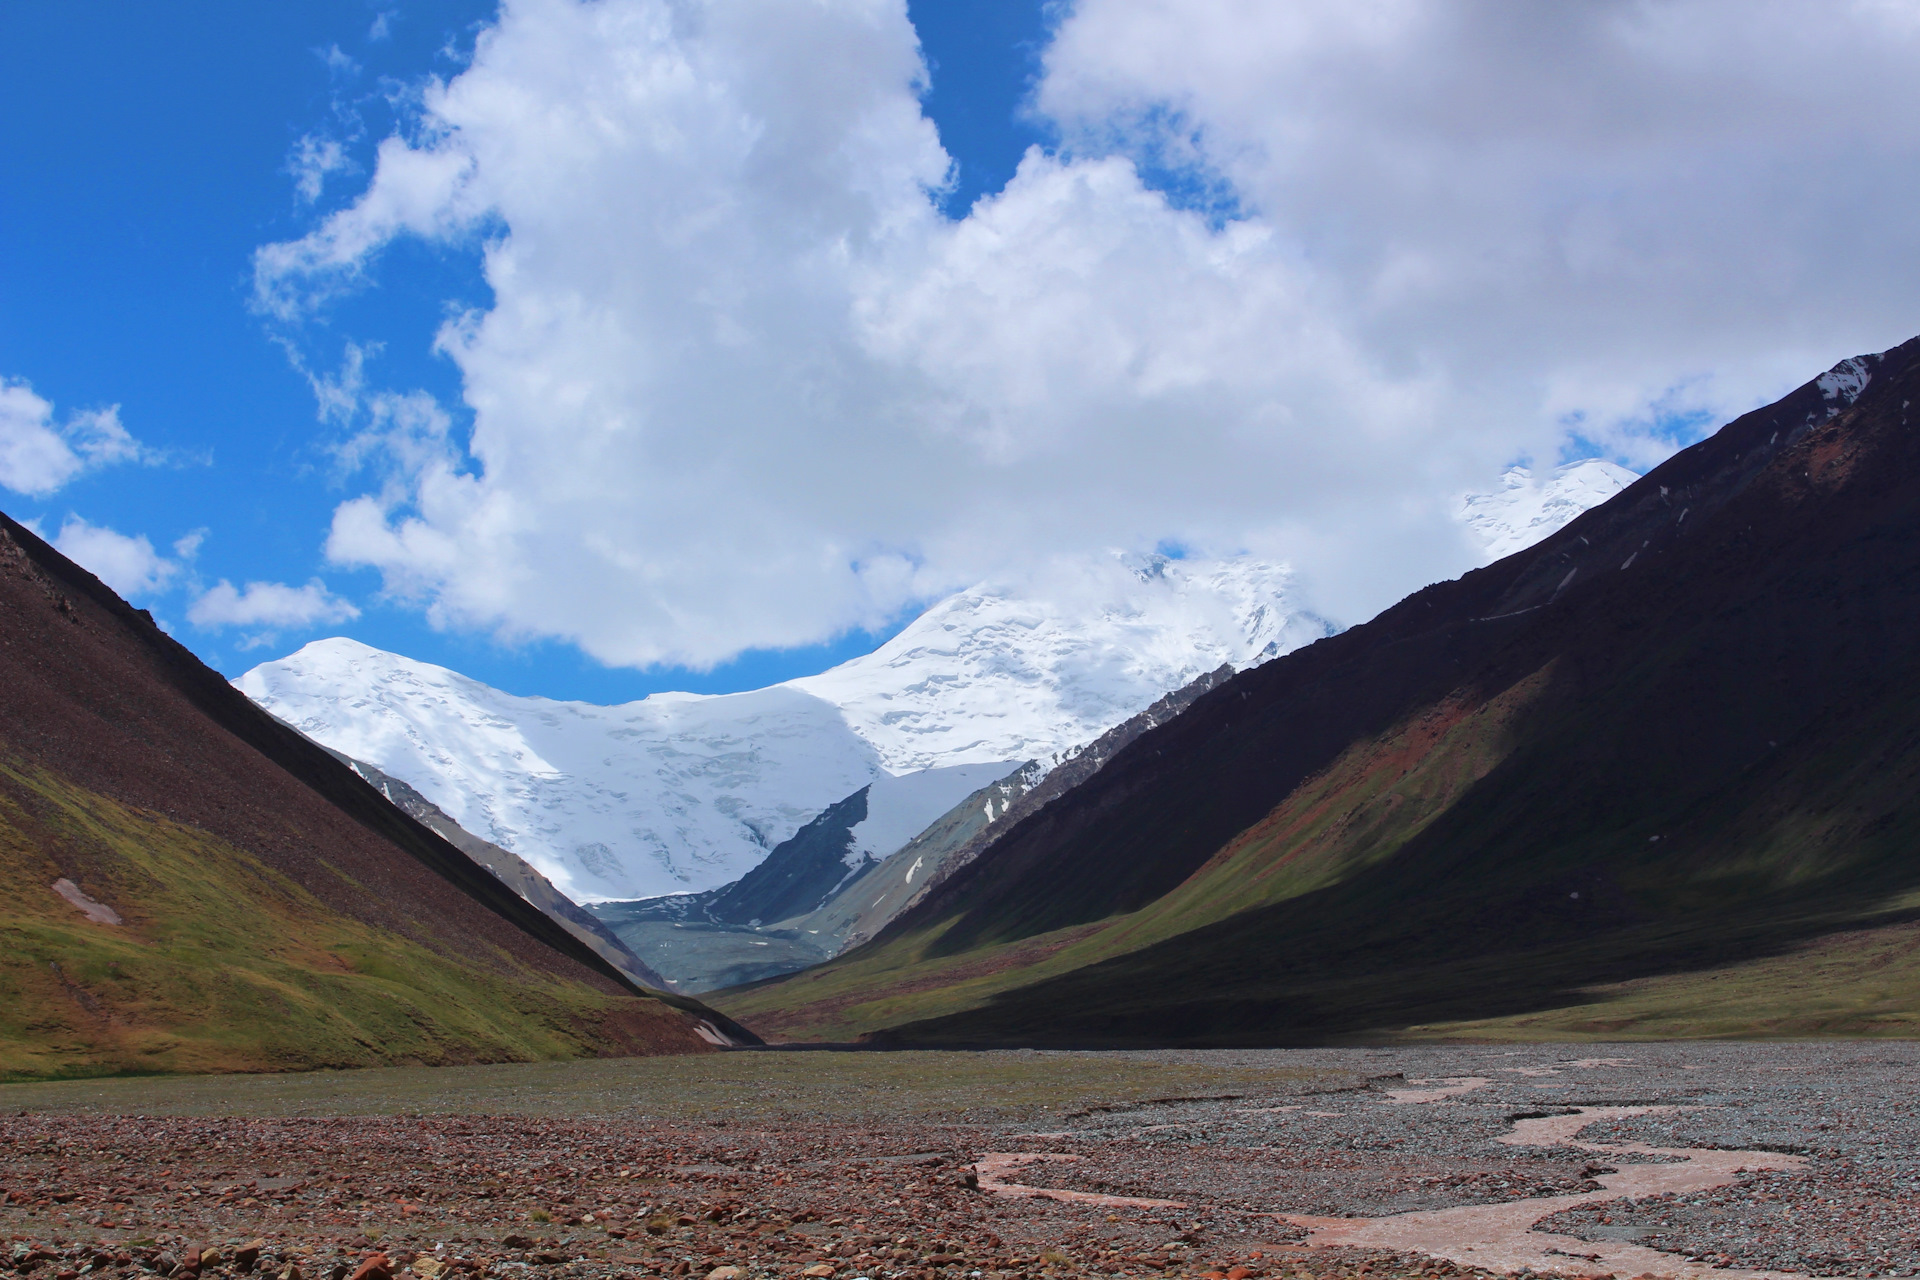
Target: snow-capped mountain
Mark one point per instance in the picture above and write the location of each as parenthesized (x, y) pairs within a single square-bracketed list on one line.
[(1527, 508), (999, 674), (671, 793), (681, 792)]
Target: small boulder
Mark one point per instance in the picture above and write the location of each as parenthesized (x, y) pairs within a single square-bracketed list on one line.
[(727, 1273), (374, 1267)]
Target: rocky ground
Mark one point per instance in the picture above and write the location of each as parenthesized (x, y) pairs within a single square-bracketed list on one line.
[(816, 1173)]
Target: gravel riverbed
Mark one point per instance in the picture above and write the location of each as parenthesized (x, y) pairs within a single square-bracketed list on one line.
[(788, 1182)]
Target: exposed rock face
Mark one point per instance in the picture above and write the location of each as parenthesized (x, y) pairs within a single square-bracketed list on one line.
[(1071, 773), (863, 908), (798, 907)]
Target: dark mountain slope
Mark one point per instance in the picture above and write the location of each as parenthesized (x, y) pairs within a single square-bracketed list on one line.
[(513, 870), (1683, 731), (274, 909), (801, 873), (1165, 806)]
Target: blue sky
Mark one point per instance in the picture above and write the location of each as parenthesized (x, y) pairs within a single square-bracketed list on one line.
[(147, 157), (702, 341)]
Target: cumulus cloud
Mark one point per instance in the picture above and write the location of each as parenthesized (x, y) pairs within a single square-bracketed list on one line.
[(128, 564), (38, 455), (269, 607), (740, 384)]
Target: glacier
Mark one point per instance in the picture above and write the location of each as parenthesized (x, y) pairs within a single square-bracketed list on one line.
[(677, 792)]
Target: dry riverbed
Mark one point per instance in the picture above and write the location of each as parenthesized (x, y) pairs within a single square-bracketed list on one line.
[(1689, 1160)]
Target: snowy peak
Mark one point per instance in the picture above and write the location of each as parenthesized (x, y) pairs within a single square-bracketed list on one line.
[(682, 793), (673, 793), (999, 673), (1527, 508)]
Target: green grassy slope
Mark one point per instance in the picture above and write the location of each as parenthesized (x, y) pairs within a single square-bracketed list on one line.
[(222, 964), (273, 910), (1375, 797)]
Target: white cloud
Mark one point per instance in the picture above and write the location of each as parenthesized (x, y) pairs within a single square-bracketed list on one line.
[(741, 385), (129, 565), (38, 455), (270, 605), (314, 159)]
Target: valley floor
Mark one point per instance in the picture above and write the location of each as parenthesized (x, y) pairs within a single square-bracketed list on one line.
[(1684, 1159)]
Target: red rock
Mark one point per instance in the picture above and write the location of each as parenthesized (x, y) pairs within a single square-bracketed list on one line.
[(374, 1267)]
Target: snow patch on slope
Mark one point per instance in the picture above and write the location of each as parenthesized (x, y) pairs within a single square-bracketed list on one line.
[(1526, 509), (898, 809), (1845, 381)]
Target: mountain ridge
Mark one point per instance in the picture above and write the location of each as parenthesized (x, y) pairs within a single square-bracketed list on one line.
[(1477, 802)]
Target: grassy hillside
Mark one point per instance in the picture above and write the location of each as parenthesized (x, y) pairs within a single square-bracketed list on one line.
[(1359, 810), (223, 965), (190, 885)]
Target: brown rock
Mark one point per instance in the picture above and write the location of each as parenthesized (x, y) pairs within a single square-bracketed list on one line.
[(374, 1267), (248, 1254), (727, 1273)]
